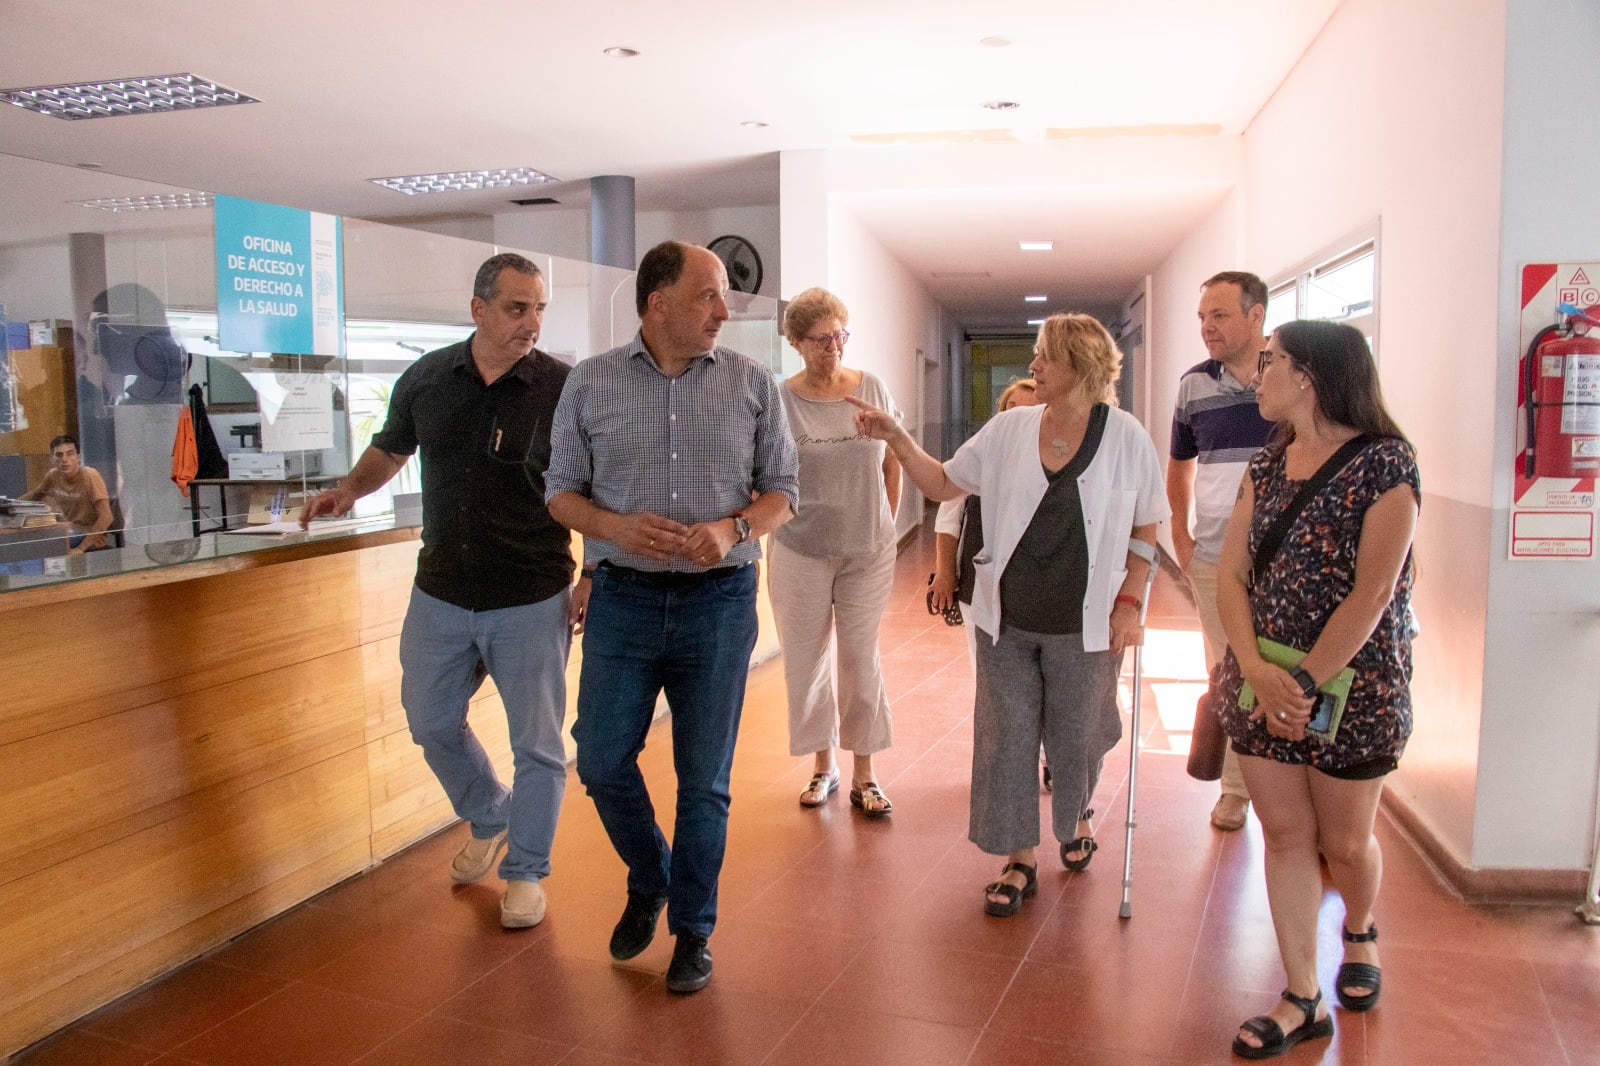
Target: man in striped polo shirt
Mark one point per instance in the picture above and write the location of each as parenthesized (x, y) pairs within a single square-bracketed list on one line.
[(1216, 428)]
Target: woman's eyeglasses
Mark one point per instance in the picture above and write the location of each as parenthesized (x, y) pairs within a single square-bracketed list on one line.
[(823, 340), (1265, 359)]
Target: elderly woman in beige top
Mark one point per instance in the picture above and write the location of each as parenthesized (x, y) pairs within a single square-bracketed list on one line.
[(832, 566)]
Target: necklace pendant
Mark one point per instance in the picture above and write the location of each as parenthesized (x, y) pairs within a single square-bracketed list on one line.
[(1059, 445)]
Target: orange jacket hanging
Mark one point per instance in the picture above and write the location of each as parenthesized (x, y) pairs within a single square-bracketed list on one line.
[(185, 457)]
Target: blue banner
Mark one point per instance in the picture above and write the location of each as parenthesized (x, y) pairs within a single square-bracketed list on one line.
[(280, 285)]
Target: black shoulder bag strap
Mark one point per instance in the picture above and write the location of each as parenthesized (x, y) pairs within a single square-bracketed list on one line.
[(1273, 539)]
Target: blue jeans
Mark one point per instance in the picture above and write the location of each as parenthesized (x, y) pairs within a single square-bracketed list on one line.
[(694, 642), (525, 650)]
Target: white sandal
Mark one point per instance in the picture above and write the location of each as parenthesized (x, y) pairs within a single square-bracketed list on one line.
[(821, 787), (869, 799)]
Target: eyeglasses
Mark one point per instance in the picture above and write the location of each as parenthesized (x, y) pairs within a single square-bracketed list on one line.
[(1265, 359), (823, 340)]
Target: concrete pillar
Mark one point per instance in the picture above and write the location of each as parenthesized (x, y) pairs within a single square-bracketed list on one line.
[(611, 241)]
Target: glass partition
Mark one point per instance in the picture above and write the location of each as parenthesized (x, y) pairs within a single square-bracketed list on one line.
[(119, 347)]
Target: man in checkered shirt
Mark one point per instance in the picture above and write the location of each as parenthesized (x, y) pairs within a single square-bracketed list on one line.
[(671, 456)]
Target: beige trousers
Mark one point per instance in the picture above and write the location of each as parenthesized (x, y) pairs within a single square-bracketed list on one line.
[(828, 611)]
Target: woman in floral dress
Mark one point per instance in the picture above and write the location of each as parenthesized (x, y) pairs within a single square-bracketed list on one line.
[(1339, 589)]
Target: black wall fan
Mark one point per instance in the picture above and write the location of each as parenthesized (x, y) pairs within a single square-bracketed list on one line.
[(740, 260)]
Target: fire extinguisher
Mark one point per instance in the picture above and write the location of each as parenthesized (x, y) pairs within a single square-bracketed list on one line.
[(1561, 397)]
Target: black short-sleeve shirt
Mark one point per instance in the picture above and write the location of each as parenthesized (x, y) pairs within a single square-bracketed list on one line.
[(488, 541)]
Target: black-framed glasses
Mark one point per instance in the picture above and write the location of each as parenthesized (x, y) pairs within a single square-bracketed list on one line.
[(1265, 359), (823, 340)]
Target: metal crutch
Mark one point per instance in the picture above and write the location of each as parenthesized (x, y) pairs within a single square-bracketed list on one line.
[(1146, 552)]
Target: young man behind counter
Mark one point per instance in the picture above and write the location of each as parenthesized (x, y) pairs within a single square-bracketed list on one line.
[(78, 493), (494, 575)]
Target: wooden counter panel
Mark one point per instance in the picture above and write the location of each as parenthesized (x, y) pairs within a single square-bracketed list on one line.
[(194, 749), (78, 662), (87, 929), (387, 575), (380, 676)]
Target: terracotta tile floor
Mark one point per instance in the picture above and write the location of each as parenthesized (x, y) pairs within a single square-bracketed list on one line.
[(848, 941)]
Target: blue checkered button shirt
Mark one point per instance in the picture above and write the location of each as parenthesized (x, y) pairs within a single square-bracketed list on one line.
[(691, 448)]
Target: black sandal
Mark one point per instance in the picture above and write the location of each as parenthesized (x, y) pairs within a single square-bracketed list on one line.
[(1083, 844), (1014, 895), (1360, 974), (1274, 1041)]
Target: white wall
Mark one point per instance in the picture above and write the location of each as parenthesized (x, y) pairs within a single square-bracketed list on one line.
[(1541, 724), (36, 281), (892, 319), (1372, 129)]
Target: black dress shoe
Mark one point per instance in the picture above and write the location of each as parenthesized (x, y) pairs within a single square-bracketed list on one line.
[(691, 964), (637, 926)]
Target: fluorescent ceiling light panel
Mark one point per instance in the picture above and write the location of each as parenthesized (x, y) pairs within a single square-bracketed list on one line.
[(177, 201), (154, 94), (464, 180), (1035, 321), (1035, 299), (1037, 246)]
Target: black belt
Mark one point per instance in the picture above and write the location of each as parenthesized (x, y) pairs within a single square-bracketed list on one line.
[(671, 579)]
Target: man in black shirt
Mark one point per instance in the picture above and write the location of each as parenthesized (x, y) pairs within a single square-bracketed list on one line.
[(493, 586)]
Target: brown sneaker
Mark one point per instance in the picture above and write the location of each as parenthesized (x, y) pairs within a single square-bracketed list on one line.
[(1228, 814), (523, 905)]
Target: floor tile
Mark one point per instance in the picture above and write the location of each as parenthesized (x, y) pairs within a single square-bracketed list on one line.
[(722, 1023), (182, 1006), (829, 1034), (925, 981), (300, 1024), (551, 996), (78, 1047), (435, 1040)]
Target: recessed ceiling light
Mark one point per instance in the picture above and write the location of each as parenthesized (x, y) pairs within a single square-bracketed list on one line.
[(1037, 246), (126, 96), (177, 201), (464, 180), (1035, 299), (752, 124), (617, 51), (1001, 105), (995, 42), (1035, 321)]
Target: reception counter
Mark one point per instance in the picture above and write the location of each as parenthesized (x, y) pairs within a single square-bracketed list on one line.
[(188, 748)]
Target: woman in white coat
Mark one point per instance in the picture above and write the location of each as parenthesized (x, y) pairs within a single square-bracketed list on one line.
[(1066, 485)]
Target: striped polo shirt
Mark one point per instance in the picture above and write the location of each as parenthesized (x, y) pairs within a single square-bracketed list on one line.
[(1215, 420)]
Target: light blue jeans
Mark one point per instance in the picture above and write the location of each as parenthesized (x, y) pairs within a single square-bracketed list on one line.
[(525, 650)]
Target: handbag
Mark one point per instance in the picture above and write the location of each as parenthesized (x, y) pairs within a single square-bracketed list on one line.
[(1208, 743)]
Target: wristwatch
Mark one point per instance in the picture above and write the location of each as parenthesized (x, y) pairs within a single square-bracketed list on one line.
[(741, 528), (1307, 683)]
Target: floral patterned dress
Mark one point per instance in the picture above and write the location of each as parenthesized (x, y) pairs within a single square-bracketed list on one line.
[(1313, 572)]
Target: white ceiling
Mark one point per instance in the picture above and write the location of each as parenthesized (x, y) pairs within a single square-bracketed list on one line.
[(351, 92)]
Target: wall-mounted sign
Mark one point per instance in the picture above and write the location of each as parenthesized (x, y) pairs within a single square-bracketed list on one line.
[(280, 286)]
